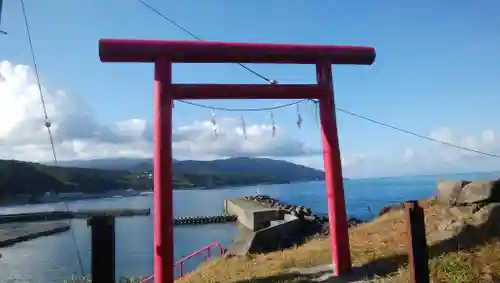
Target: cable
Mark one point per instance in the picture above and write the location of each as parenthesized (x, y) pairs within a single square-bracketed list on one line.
[(345, 112), (242, 109), (416, 134), (200, 39), (48, 124), (300, 101), (47, 121)]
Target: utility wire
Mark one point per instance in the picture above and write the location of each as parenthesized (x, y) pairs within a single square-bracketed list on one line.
[(47, 121), (300, 101), (156, 11), (48, 124), (242, 109), (1, 8), (345, 112), (416, 134)]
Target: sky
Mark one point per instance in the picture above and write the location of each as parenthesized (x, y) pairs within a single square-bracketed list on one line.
[(436, 73)]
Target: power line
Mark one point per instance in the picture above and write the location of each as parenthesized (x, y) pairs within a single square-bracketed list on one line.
[(416, 134), (48, 124), (1, 8), (348, 113), (156, 11), (47, 121), (242, 109), (300, 101)]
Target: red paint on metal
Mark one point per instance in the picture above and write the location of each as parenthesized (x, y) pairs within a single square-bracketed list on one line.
[(218, 91), (339, 235), (180, 262), (162, 174), (205, 248), (133, 50), (164, 53)]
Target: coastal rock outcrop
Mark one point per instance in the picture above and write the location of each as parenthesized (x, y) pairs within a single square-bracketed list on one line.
[(464, 192), (472, 210)]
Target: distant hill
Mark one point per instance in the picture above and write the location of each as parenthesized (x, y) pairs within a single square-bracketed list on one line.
[(34, 179), (130, 164), (282, 170)]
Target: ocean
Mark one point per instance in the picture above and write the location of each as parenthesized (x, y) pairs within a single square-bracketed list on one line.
[(54, 258)]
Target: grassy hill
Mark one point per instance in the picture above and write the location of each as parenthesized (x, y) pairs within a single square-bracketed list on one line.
[(259, 166), (17, 177), (274, 169), (34, 179)]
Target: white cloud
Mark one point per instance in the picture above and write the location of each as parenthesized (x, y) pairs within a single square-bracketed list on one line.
[(350, 162), (436, 157), (78, 135), (483, 142), (409, 154)]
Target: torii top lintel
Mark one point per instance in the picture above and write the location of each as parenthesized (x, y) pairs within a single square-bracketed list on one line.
[(133, 50)]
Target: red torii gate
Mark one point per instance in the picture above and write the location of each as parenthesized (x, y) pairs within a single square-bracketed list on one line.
[(163, 53)]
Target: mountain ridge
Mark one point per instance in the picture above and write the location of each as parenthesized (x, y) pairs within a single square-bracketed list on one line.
[(239, 165), (35, 179)]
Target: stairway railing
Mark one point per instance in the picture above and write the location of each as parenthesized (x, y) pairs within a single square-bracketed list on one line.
[(180, 262)]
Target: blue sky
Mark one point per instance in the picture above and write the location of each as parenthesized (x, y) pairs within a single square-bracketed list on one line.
[(437, 62)]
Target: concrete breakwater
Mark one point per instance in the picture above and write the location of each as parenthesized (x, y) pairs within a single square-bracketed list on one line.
[(269, 225), (194, 220), (318, 222), (13, 233), (57, 215)]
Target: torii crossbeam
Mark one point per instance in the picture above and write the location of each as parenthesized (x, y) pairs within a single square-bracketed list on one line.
[(164, 53)]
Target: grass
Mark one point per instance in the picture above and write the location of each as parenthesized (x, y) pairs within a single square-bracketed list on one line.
[(379, 248)]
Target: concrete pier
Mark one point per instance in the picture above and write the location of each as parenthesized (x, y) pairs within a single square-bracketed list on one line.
[(45, 216), (263, 228), (13, 233), (251, 214)]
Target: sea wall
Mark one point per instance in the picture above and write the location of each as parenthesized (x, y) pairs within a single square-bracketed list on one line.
[(297, 225), (313, 223)]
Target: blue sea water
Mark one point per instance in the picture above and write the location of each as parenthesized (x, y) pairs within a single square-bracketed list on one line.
[(54, 258)]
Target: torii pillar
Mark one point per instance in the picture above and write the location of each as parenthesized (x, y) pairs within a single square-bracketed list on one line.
[(163, 53)]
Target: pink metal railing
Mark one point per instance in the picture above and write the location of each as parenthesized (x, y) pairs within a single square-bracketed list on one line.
[(181, 261)]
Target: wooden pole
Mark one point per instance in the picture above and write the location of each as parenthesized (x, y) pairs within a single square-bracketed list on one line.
[(417, 241), (103, 248)]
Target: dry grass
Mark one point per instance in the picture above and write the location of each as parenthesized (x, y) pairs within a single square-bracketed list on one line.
[(379, 247)]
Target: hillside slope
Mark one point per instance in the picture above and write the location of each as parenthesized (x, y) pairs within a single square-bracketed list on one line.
[(276, 169), (34, 179), (379, 252), (26, 178)]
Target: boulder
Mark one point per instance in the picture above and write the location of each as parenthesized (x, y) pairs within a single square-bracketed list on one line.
[(448, 190), (459, 193)]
